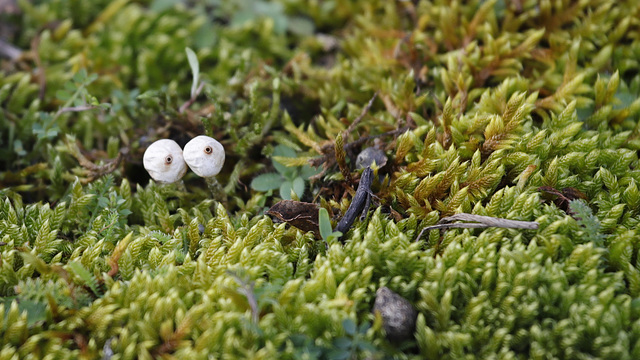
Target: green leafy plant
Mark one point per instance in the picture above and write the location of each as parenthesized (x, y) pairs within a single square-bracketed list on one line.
[(287, 179), (247, 11), (588, 221), (353, 343), (326, 230)]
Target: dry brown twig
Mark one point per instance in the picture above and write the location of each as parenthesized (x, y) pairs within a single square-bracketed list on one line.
[(95, 171), (78, 108), (246, 288), (9, 51), (364, 112), (191, 100), (328, 150), (480, 222)]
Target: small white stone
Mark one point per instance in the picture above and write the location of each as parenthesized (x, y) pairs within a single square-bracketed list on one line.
[(164, 162), (204, 155)]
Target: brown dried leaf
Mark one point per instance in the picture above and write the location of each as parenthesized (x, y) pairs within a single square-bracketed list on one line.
[(300, 214)]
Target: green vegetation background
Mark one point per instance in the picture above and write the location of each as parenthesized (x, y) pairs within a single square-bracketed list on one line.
[(499, 98)]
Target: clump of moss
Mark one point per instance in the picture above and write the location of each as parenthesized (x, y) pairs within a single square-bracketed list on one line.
[(518, 110)]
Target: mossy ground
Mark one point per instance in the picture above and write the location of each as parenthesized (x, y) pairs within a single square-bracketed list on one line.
[(503, 108)]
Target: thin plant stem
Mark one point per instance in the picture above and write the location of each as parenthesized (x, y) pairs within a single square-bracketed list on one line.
[(216, 189)]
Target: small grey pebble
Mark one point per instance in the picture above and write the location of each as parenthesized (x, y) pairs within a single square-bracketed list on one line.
[(107, 351), (398, 314), (370, 155), (201, 228)]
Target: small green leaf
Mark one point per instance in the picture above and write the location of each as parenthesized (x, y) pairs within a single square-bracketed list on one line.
[(149, 94), (70, 87), (349, 325), (36, 311), (63, 95), (342, 342), (266, 182), (308, 171), (162, 5), (195, 69), (240, 18), (19, 148), (298, 186), (293, 161), (339, 354), (87, 278), (285, 190), (324, 223), (301, 26), (284, 151), (80, 76), (280, 24), (366, 346), (364, 327)]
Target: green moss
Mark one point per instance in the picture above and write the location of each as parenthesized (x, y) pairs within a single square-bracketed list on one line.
[(479, 104)]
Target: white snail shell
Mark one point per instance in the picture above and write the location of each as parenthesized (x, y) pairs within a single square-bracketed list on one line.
[(164, 162), (204, 155)]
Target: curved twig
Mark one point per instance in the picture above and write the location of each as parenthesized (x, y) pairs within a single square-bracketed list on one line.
[(480, 222)]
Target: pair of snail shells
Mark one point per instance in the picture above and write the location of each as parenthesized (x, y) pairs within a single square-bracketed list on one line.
[(166, 162)]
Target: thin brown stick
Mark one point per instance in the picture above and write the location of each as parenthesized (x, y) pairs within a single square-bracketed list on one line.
[(193, 98), (95, 171), (9, 51), (480, 222), (363, 113), (492, 221), (390, 106), (247, 289), (76, 109)]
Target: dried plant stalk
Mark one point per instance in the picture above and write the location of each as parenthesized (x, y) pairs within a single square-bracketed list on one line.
[(480, 222)]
